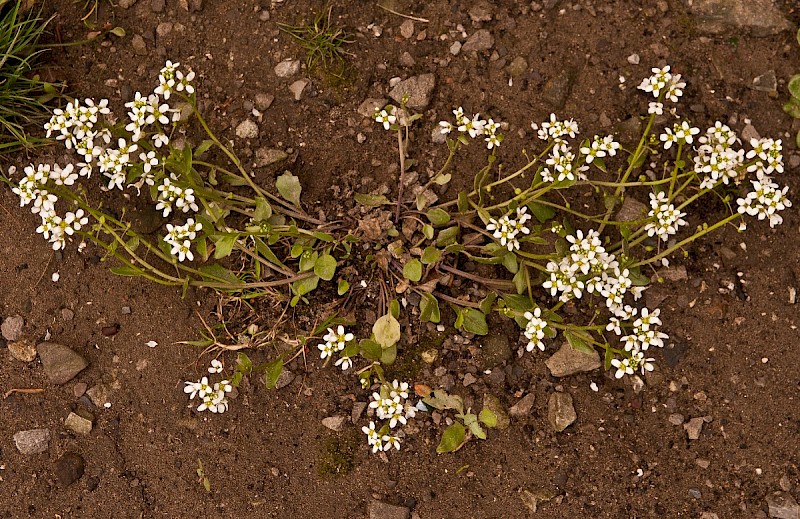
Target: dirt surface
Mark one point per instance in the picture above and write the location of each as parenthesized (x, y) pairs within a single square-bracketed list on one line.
[(733, 356)]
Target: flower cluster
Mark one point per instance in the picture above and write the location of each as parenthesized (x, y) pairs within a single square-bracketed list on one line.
[(179, 238), (474, 127), (667, 218), (663, 81), (390, 404), (122, 157), (766, 199), (336, 341), (213, 397), (555, 130), (716, 159), (506, 230), (535, 329), (681, 133)]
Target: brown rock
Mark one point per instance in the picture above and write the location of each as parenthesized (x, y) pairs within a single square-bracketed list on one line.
[(568, 361), (60, 363), (23, 350), (523, 408), (560, 411), (69, 468)]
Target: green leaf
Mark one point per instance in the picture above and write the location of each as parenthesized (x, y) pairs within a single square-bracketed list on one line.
[(289, 187), (125, 270), (792, 107), (118, 31), (475, 321), (370, 349), (342, 287), (794, 86), (609, 356), (323, 236), (203, 147), (370, 200), (488, 418), (520, 280), (427, 231), (518, 302), (325, 267), (429, 309), (430, 255), (308, 260), (304, 286), (442, 179), (438, 216), (510, 262), (388, 355), (386, 330), (488, 301), (579, 340), (447, 236), (798, 36), (471, 421), (394, 308), (463, 202), (224, 244), (263, 210), (412, 270), (236, 379), (637, 278), (243, 363), (266, 252), (217, 272), (273, 372), (452, 438)]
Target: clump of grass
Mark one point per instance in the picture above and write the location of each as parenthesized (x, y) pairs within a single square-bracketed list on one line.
[(21, 94), (322, 41)]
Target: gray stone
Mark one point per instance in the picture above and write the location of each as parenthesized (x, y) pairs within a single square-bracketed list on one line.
[(12, 327), (269, 156), (370, 105), (495, 350), (100, 395), (568, 361), (629, 130), (418, 89), (34, 441), (287, 68), (264, 101), (247, 129), (478, 41), (78, 424), (749, 133), (469, 379), (380, 510), (407, 60), (675, 419), (523, 408), (518, 67), (190, 5), (157, 5), (297, 88), (782, 505), (694, 427), (23, 350), (560, 412), (493, 404), (437, 137), (631, 210), (126, 4), (678, 273), (766, 82), (334, 423), (60, 363), (69, 468), (758, 17), (358, 410), (407, 29), (284, 379), (455, 48), (557, 89), (138, 44)]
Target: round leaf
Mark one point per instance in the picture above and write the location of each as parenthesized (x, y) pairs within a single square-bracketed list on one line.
[(325, 267), (386, 330), (413, 270)]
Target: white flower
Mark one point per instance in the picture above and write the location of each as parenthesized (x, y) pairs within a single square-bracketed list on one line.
[(345, 362), (655, 108), (390, 441), (338, 339), (216, 366), (534, 329), (623, 367), (387, 118)]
